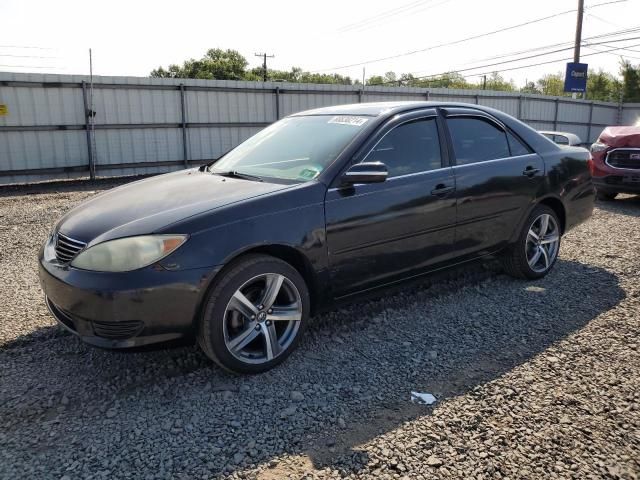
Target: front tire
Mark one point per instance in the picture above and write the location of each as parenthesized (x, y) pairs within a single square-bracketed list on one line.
[(536, 250), (254, 315)]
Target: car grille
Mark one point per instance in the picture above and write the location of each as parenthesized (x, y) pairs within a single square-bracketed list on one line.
[(624, 158), (117, 330), (67, 248)]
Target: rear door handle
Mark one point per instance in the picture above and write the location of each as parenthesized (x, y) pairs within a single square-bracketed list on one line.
[(530, 171), (441, 190)]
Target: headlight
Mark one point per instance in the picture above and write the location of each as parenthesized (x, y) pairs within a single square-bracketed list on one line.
[(125, 254), (598, 147)]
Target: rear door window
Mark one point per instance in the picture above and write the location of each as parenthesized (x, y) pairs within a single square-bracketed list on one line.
[(477, 140)]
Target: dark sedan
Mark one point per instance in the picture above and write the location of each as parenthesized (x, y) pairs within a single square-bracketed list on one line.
[(319, 207)]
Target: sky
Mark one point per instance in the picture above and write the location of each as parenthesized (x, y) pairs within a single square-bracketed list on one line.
[(135, 36)]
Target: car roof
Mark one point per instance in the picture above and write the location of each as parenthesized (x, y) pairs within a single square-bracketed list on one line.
[(376, 109), (383, 110)]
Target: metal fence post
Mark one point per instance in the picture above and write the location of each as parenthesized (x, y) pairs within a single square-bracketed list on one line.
[(477, 98), (620, 110), (184, 125), (519, 114), (87, 128), (555, 114), (590, 122), (360, 94), (277, 103), (426, 95)]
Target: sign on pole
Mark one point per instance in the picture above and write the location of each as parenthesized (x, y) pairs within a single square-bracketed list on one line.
[(575, 80)]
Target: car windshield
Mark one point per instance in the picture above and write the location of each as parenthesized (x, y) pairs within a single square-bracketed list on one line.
[(295, 148)]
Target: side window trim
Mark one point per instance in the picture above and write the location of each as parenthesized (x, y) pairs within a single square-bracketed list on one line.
[(387, 126), (410, 120), (481, 116), (522, 142)]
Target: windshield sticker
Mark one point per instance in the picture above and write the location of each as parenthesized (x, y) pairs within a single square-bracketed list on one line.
[(309, 173), (349, 120)]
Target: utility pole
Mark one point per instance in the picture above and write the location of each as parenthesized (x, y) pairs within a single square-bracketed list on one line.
[(484, 82), (576, 48), (264, 64)]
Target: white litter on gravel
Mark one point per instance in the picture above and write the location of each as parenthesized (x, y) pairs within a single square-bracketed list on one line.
[(423, 398)]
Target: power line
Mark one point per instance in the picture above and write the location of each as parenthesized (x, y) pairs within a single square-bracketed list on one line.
[(22, 56), (615, 54), (29, 66), (621, 48), (510, 68), (380, 21), (473, 37), (386, 14), (526, 58), (26, 47), (553, 45), (603, 20)]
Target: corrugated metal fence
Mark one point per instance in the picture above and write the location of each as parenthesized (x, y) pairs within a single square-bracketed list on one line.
[(148, 125)]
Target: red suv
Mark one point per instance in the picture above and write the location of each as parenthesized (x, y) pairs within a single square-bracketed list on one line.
[(616, 162)]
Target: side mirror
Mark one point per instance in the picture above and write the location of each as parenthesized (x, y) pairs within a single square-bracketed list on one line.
[(368, 172)]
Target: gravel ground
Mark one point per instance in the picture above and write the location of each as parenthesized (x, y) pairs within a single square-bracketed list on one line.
[(533, 379)]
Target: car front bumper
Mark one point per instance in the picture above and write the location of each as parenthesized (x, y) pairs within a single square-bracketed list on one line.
[(619, 183), (120, 310)]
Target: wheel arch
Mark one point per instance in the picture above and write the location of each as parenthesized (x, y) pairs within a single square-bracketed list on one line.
[(558, 207), (550, 201), (286, 253)]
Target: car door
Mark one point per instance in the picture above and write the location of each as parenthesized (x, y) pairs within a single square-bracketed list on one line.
[(380, 232), (497, 178)]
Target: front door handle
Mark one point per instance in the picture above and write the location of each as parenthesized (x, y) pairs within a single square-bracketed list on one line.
[(530, 171), (441, 190)]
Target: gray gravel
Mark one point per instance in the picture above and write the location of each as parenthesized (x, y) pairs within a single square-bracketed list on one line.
[(533, 379)]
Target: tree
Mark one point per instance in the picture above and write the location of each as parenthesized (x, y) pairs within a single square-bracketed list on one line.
[(496, 82), (603, 86), (529, 87), (216, 64), (630, 81), (375, 80), (551, 84)]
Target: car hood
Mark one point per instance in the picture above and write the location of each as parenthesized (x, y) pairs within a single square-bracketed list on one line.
[(620, 137), (145, 206)]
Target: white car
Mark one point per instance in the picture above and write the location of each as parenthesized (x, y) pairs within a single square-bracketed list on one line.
[(563, 138)]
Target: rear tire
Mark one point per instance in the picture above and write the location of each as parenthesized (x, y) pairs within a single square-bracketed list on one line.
[(535, 252), (254, 315), (605, 195)]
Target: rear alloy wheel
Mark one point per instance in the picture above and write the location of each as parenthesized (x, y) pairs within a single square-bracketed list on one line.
[(605, 195), (254, 315), (536, 250)]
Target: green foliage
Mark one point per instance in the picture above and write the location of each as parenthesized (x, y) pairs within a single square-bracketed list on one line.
[(216, 64), (530, 87), (630, 81), (229, 64), (496, 82), (603, 86), (551, 84)]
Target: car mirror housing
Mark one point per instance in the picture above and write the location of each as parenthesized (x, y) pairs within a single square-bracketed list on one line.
[(367, 172)]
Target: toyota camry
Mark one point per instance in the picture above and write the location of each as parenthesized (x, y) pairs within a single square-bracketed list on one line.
[(320, 207)]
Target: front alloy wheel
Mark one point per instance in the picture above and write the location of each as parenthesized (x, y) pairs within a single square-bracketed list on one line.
[(262, 318), (254, 314)]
